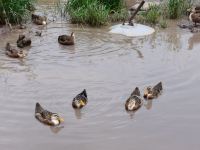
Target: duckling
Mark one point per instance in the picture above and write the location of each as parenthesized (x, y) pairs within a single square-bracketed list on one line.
[(39, 20), (14, 52), (151, 93), (195, 16), (134, 102), (66, 39), (23, 41), (47, 117), (80, 100)]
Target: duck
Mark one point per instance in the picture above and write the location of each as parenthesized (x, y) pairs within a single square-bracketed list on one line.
[(153, 92), (80, 100), (39, 20), (23, 41), (47, 117), (134, 102), (66, 39), (195, 16), (13, 52)]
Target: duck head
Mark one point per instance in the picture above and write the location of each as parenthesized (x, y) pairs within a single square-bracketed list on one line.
[(56, 119), (148, 93), (79, 103)]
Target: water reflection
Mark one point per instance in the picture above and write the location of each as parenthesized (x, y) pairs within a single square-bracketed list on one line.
[(132, 113), (56, 129), (148, 104), (78, 113), (193, 40)]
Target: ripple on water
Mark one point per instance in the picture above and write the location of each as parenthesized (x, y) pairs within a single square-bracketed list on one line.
[(109, 67)]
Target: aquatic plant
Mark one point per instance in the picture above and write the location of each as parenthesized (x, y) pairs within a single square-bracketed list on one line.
[(113, 4), (95, 12), (153, 14), (177, 8), (150, 16), (15, 11)]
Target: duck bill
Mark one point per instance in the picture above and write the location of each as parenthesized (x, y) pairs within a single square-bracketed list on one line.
[(82, 103), (61, 120)]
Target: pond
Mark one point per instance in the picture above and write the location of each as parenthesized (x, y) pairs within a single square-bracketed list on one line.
[(109, 67)]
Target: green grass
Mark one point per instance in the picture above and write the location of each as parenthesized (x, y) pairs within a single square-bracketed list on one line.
[(170, 9), (176, 8), (95, 12), (15, 11), (150, 16)]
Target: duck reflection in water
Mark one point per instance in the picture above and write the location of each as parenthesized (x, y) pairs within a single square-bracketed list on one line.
[(193, 40), (78, 113), (131, 114), (148, 104), (56, 129)]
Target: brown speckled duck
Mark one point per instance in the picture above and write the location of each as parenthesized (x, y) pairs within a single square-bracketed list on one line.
[(134, 102), (13, 52), (46, 116), (39, 20), (150, 93), (80, 100), (195, 15), (23, 41), (66, 39)]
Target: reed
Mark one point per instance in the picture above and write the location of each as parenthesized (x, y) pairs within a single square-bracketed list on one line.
[(15, 11), (95, 12)]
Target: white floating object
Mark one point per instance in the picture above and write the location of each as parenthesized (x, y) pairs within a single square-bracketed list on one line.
[(133, 31)]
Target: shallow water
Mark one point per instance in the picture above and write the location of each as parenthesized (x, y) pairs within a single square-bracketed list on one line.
[(109, 67)]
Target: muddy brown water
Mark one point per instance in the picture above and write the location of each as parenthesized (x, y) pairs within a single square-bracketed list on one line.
[(109, 67)]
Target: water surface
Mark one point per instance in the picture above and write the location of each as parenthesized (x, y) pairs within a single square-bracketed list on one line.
[(109, 67)]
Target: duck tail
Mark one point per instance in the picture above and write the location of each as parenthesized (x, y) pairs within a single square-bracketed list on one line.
[(84, 93), (136, 92), (158, 86), (38, 108)]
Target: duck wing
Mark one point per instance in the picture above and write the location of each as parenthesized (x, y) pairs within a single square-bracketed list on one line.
[(43, 115), (196, 17), (133, 101)]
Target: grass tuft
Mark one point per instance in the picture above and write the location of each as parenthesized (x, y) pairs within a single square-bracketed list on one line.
[(95, 12), (15, 11)]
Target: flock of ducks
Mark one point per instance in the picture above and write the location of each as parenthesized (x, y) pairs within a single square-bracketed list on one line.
[(133, 103), (24, 41)]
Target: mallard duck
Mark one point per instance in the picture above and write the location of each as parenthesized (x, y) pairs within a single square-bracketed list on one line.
[(134, 102), (195, 16), (14, 52), (23, 41), (39, 20), (80, 100), (47, 117), (66, 39), (150, 93)]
